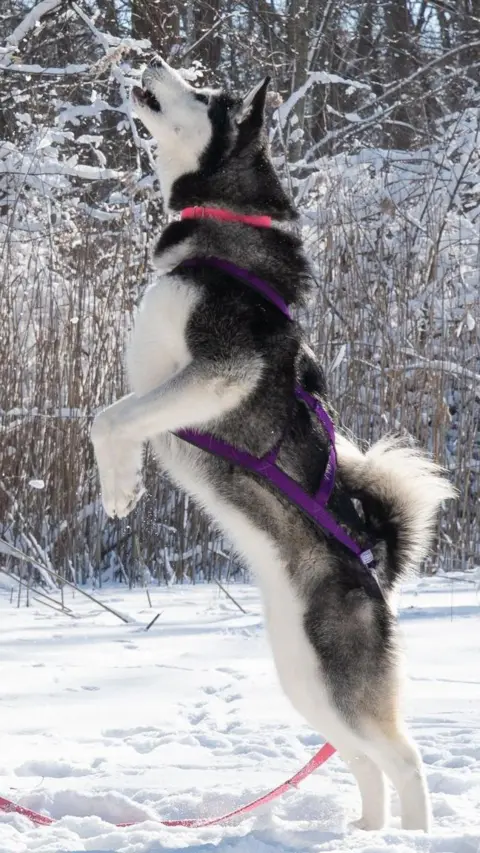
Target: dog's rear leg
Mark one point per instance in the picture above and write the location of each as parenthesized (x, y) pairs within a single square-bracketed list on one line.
[(394, 753), (371, 782)]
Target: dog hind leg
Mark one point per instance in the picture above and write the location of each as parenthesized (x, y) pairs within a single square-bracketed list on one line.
[(372, 784), (397, 756), (374, 750), (385, 742)]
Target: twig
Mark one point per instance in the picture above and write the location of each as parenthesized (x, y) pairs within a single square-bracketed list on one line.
[(29, 584), (6, 548), (205, 35), (147, 628), (37, 593), (28, 23), (230, 596), (106, 41), (52, 607)]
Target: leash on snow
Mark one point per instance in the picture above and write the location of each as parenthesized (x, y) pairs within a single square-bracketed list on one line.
[(320, 758)]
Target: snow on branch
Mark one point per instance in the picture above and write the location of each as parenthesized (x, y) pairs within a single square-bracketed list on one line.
[(29, 22), (105, 39), (68, 70), (323, 77)]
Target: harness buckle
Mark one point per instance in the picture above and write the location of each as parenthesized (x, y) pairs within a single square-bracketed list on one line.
[(367, 557)]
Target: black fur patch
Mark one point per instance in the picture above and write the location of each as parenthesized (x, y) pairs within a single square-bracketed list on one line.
[(312, 377), (353, 634), (174, 234), (247, 325), (220, 113), (269, 253), (200, 96)]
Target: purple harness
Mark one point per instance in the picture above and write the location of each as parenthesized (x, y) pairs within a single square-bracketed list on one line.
[(265, 466)]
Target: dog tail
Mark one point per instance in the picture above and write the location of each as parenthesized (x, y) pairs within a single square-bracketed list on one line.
[(401, 491)]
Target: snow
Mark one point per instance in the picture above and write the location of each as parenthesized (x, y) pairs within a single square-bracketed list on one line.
[(323, 77), (105, 722), (31, 20), (37, 484)]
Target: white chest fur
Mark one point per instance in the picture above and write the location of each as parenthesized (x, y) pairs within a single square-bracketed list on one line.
[(158, 346)]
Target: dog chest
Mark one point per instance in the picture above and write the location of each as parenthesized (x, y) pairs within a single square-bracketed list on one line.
[(158, 347)]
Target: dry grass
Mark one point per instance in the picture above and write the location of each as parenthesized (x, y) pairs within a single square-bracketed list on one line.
[(65, 322)]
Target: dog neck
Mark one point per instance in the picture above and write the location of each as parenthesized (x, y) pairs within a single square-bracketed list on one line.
[(225, 215)]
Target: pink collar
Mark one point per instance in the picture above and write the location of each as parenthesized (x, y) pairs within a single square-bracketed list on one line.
[(225, 215)]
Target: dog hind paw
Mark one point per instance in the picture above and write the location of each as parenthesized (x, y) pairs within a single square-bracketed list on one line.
[(367, 824)]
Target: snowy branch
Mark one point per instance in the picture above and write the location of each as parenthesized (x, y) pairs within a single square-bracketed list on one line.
[(67, 71), (29, 22)]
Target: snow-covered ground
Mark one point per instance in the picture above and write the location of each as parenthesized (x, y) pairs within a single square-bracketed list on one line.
[(102, 722)]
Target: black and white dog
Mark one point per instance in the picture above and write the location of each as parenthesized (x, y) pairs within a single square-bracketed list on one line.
[(211, 353)]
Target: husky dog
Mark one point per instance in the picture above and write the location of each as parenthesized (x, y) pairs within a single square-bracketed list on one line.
[(210, 353)]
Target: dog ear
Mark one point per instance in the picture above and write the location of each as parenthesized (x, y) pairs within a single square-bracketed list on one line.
[(253, 105)]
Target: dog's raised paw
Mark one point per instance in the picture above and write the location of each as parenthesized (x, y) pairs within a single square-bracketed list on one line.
[(121, 497), (121, 483), (120, 468)]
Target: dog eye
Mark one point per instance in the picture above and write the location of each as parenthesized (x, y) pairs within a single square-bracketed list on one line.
[(201, 97)]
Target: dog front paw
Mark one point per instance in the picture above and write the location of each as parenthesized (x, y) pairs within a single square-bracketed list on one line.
[(119, 464)]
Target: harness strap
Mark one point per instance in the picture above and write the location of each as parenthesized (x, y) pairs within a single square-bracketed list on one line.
[(269, 471), (265, 466), (328, 479), (246, 276)]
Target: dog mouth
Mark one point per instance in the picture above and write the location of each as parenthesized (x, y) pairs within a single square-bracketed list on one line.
[(146, 98)]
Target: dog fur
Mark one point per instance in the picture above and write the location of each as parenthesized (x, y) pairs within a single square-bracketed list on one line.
[(209, 352)]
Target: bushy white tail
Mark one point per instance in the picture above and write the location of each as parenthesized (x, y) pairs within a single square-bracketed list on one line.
[(401, 491)]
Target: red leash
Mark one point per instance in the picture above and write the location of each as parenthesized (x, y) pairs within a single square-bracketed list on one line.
[(320, 758)]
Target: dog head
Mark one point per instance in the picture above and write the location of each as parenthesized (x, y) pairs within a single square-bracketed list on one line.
[(211, 145)]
